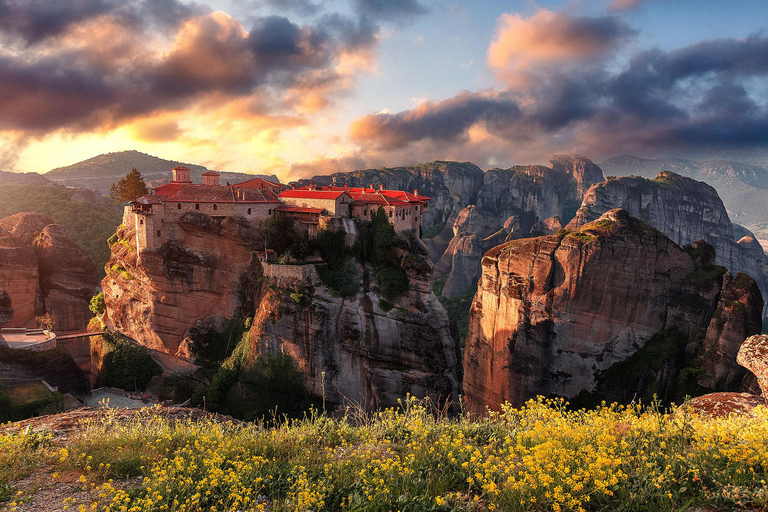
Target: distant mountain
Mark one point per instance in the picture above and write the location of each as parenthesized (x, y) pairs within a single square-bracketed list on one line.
[(26, 178), (99, 172), (743, 187)]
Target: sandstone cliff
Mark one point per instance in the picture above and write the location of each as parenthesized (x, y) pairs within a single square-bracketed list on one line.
[(19, 276), (513, 203), (200, 279), (364, 349), (683, 209), (6, 310), (45, 272), (614, 309)]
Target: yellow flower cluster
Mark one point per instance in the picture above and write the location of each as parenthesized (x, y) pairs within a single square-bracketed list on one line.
[(540, 457)]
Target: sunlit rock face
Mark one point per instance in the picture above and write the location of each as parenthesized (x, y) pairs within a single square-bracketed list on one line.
[(684, 210), (19, 277), (553, 314)]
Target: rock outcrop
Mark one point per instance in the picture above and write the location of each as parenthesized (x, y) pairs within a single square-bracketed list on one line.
[(6, 309), (512, 203), (45, 272), (724, 404), (19, 277), (612, 310), (684, 210), (753, 355), (200, 279), (68, 278), (364, 349)]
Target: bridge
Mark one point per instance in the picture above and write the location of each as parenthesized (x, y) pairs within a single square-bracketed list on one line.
[(80, 334)]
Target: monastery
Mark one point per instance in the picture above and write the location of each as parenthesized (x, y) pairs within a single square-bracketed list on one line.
[(155, 216)]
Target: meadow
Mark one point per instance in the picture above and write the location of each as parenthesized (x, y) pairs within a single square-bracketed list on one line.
[(543, 456)]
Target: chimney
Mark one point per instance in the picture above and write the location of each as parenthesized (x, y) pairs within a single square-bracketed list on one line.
[(346, 184), (415, 191), (211, 179), (381, 187)]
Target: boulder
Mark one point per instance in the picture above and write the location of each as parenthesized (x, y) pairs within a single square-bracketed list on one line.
[(26, 226), (19, 278), (724, 404), (753, 355)]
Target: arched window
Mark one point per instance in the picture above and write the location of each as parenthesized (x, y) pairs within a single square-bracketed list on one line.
[(197, 206), (249, 211), (215, 207), (178, 206)]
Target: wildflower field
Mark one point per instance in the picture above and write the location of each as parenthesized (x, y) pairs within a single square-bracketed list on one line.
[(541, 457)]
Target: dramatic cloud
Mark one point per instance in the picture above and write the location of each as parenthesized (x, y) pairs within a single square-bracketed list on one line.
[(94, 63), (446, 121), (686, 100), (552, 38)]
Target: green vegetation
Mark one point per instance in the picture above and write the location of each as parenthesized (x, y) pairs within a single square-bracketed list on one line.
[(540, 457), (27, 400), (88, 224), (124, 365), (741, 281), (377, 248), (129, 187), (458, 307), (340, 272), (706, 274), (694, 303), (97, 305)]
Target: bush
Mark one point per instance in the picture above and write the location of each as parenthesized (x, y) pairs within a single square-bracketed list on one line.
[(98, 306), (125, 365)]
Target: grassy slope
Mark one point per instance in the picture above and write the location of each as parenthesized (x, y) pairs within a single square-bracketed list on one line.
[(542, 457), (87, 224)]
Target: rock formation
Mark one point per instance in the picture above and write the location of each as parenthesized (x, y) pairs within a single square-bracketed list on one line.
[(359, 348), (68, 278), (610, 310), (364, 349), (201, 278), (684, 210), (753, 355), (19, 276), (6, 309), (512, 203), (44, 272)]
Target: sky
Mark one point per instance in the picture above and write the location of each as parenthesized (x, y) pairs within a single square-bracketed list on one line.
[(302, 87)]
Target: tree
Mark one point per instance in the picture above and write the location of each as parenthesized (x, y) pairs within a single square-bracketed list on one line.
[(130, 187)]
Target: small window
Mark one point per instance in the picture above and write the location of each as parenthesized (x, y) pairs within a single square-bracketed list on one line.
[(249, 211), (417, 207), (390, 214), (215, 207), (197, 206), (141, 222), (158, 232), (178, 206)]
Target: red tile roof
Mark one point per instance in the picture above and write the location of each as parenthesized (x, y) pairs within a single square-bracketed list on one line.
[(211, 173), (363, 199), (366, 194), (189, 193), (258, 183), (312, 194)]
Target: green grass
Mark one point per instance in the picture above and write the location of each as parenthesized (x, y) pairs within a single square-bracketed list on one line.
[(31, 392)]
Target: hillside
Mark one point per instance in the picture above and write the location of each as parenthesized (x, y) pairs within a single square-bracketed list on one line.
[(540, 457), (99, 172), (88, 219), (743, 187)]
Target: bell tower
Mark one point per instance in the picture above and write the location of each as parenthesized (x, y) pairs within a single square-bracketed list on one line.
[(181, 174)]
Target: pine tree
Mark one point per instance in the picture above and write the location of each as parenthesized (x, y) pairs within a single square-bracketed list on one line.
[(129, 187)]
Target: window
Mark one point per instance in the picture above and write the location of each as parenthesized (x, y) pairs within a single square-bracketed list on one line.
[(178, 206), (197, 206), (249, 211), (390, 214), (141, 222), (215, 207), (158, 232), (417, 207)]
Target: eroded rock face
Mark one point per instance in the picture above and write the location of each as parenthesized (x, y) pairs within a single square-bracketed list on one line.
[(753, 355), (513, 203), (684, 210), (68, 278), (25, 225), (363, 349), (553, 314), (6, 308), (158, 296), (19, 278)]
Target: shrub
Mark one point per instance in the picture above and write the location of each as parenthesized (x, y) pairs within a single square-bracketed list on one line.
[(97, 305), (125, 365)]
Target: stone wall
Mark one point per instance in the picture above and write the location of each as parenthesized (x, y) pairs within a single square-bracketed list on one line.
[(288, 275)]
